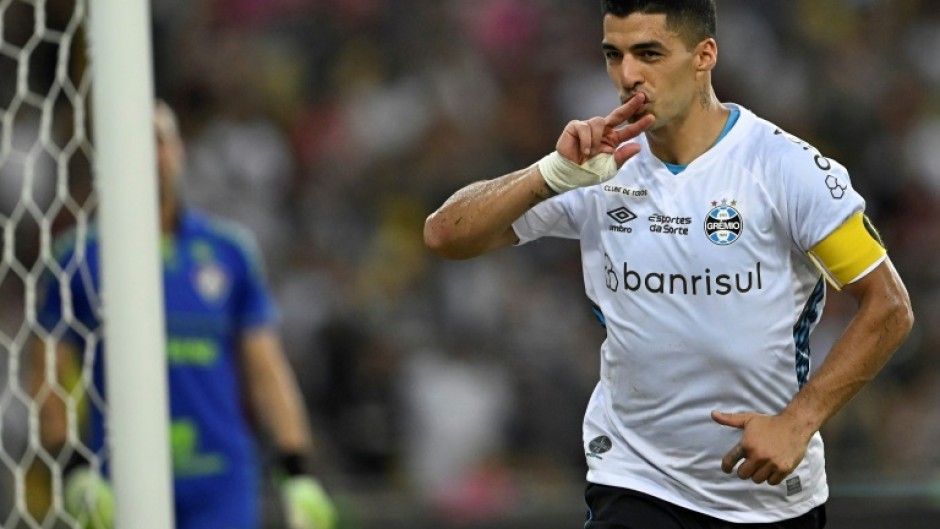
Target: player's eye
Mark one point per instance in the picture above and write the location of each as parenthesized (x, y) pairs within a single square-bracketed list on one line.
[(612, 55)]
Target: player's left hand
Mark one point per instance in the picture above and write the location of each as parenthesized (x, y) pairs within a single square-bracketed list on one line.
[(306, 504), (771, 446)]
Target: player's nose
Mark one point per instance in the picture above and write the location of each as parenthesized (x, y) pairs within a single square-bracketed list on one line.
[(630, 75)]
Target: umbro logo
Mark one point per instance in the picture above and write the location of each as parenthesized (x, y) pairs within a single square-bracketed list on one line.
[(621, 215)]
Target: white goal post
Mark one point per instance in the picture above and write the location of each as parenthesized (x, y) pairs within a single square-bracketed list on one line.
[(43, 109), (123, 99)]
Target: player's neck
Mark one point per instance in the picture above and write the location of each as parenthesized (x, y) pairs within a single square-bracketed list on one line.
[(689, 136)]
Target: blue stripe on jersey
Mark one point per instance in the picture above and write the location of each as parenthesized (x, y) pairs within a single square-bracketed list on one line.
[(808, 318), (599, 314)]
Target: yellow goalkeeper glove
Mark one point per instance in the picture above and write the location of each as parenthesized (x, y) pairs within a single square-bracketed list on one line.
[(88, 499), (306, 504)]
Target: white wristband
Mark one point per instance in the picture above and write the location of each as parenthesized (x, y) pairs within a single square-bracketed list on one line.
[(561, 174)]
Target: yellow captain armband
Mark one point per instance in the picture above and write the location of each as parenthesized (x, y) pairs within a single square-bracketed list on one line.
[(849, 252)]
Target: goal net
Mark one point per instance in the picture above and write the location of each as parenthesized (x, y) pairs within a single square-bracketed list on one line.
[(45, 189), (49, 201)]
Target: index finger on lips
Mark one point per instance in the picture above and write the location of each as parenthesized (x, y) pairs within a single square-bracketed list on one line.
[(625, 111)]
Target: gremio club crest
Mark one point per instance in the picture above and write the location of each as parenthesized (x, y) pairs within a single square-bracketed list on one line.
[(723, 224)]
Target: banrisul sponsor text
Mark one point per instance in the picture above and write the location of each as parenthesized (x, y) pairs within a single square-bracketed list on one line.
[(707, 283)]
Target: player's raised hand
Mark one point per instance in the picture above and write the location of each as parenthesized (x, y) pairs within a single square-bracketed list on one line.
[(590, 152), (582, 140), (771, 446)]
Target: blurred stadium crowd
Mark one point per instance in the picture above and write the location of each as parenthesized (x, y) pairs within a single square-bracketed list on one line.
[(333, 127)]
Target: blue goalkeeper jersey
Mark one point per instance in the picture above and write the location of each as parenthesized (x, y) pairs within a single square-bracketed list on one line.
[(214, 292)]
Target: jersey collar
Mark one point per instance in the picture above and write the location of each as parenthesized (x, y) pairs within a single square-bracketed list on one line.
[(717, 151)]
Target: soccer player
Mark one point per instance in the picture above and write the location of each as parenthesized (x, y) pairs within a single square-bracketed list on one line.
[(707, 236), (223, 352)]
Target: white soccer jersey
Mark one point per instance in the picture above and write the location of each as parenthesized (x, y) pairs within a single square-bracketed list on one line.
[(709, 299)]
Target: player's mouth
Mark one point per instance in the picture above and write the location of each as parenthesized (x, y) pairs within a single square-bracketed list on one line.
[(644, 106)]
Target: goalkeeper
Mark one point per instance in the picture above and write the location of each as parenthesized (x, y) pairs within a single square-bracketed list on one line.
[(223, 352)]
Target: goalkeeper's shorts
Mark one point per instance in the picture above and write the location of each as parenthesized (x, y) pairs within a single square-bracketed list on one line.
[(219, 502)]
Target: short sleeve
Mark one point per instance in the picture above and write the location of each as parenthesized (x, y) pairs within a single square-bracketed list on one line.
[(255, 304), (555, 217), (818, 193)]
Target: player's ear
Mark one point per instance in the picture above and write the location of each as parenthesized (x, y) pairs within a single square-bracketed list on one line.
[(706, 55)]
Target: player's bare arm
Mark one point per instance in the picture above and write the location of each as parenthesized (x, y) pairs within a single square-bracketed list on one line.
[(478, 218), (772, 446), (273, 391)]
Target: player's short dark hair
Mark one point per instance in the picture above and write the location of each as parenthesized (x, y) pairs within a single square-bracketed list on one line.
[(693, 20)]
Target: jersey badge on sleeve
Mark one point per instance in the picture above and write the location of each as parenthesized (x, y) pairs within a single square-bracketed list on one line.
[(723, 223), (599, 445), (836, 188)]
